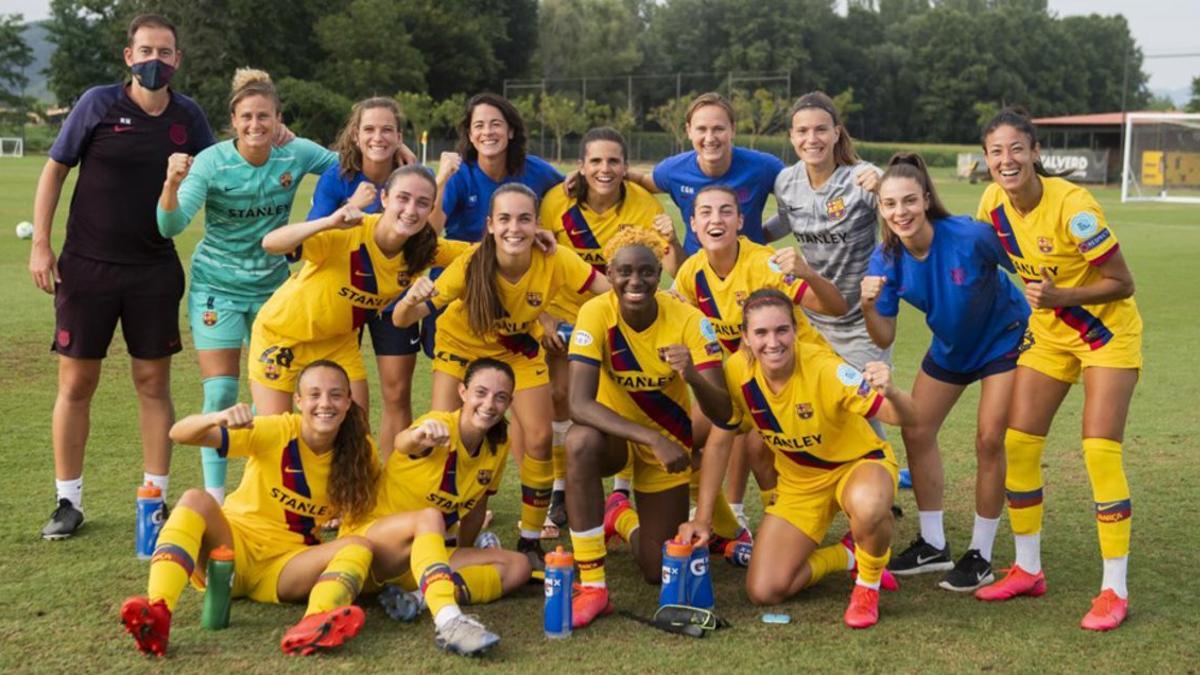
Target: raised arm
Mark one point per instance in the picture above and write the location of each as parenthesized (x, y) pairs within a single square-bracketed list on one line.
[(180, 199), (204, 430), (822, 296), (882, 329), (287, 238), (898, 407)]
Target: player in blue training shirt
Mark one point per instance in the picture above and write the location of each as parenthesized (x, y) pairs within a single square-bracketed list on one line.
[(370, 147), (246, 186), (949, 268), (115, 266)]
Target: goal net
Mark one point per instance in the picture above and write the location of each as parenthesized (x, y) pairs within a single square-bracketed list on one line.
[(1162, 158), (12, 147)]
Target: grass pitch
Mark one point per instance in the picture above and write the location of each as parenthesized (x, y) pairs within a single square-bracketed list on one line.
[(59, 600)]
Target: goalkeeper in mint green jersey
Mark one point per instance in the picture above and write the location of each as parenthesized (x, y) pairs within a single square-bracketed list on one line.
[(246, 186)]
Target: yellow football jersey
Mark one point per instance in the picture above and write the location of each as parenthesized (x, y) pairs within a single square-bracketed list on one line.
[(283, 495), (720, 299), (586, 232), (635, 381), (519, 332), (345, 280), (448, 478), (815, 423), (1068, 236)]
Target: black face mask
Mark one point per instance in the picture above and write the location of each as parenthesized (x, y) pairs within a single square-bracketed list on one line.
[(153, 74)]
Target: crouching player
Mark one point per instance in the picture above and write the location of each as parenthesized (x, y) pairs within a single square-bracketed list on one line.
[(811, 408), (436, 485), (301, 470), (634, 353)]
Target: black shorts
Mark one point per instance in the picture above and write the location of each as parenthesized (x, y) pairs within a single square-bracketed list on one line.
[(390, 340), (1002, 364), (94, 295)]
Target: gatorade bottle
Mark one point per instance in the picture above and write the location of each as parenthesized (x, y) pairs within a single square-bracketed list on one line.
[(699, 583), (675, 559), (218, 589), (560, 578), (737, 553), (149, 520)]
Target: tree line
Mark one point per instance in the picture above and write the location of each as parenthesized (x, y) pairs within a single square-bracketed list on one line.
[(915, 70)]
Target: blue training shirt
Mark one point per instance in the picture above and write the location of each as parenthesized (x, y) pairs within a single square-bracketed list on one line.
[(334, 189), (751, 174), (976, 313), (468, 194)]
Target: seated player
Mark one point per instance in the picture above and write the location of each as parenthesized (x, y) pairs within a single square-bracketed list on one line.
[(811, 409), (634, 353), (493, 296), (354, 266), (437, 480), (301, 471), (718, 278)]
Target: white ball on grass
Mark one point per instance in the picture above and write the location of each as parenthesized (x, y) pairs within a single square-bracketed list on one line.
[(25, 229)]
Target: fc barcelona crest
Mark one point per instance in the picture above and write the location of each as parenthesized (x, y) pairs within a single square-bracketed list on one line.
[(484, 477), (402, 279), (835, 208), (534, 299), (804, 410), (740, 297), (286, 179), (209, 317), (1045, 244)]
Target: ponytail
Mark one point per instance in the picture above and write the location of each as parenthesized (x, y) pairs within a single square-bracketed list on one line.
[(497, 435), (579, 189), (482, 295), (844, 153), (419, 249), (912, 166)]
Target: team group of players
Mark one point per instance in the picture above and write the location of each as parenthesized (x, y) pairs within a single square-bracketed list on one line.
[(542, 294)]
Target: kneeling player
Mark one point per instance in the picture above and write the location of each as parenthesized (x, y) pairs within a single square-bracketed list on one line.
[(436, 485), (634, 353), (301, 470), (811, 408)]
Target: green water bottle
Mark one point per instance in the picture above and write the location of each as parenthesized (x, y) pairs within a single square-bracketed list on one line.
[(219, 588)]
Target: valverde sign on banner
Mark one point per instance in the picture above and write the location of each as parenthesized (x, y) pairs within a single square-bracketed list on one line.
[(1083, 166)]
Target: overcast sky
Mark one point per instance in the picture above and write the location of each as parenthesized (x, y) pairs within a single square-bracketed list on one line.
[(1159, 26)]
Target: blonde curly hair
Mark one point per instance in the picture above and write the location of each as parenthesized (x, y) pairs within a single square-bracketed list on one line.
[(631, 235), (252, 82)]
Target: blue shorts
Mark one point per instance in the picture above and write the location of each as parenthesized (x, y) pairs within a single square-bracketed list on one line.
[(389, 340), (218, 322), (1003, 364)]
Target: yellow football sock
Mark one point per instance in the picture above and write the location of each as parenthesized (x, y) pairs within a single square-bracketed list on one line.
[(537, 480), (627, 523), (478, 584), (870, 567), (767, 497), (174, 557), (341, 581), (1023, 481), (431, 565), (589, 555), (558, 455), (1110, 492), (826, 560)]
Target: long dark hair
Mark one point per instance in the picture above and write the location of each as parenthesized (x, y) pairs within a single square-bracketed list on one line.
[(579, 190), (482, 295), (844, 153), (1017, 117), (354, 471), (498, 434), (910, 165), (419, 249), (346, 145), (514, 162)]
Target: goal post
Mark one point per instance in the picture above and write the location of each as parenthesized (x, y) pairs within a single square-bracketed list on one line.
[(12, 146), (1161, 158)]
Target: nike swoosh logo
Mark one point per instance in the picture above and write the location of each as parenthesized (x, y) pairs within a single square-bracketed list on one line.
[(1108, 505), (230, 188), (293, 470), (921, 560), (119, 128), (362, 274), (701, 298)]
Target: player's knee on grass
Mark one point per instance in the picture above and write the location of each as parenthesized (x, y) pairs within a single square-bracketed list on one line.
[(199, 501), (429, 520), (515, 569), (585, 453), (765, 591)]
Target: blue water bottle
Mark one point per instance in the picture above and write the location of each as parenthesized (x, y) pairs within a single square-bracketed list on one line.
[(675, 564), (149, 520), (699, 583), (737, 553), (560, 577)]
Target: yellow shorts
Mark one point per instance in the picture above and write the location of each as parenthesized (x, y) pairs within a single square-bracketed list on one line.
[(276, 361), (810, 503), (1064, 357), (452, 358), (649, 474), (256, 567)]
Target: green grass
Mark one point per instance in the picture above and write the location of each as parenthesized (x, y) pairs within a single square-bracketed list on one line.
[(58, 601)]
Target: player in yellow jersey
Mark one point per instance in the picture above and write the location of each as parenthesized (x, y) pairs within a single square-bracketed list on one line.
[(600, 203), (301, 470), (811, 408), (719, 277), (354, 266), (634, 354), (493, 297), (1084, 323)]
